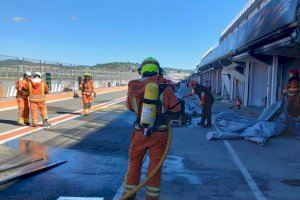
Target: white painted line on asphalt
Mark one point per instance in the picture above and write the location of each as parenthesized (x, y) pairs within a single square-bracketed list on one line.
[(51, 101), (56, 100), (105, 105), (250, 181), (80, 198), (14, 130)]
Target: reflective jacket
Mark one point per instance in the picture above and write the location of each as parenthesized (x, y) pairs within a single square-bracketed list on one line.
[(87, 87), (293, 86), (20, 87), (37, 90), (207, 99)]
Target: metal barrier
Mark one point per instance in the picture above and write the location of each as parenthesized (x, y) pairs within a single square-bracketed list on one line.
[(64, 75)]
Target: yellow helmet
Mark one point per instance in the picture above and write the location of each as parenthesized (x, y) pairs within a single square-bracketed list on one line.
[(150, 66), (87, 74)]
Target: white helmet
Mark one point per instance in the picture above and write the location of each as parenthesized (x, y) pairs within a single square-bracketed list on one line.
[(37, 74), (28, 73)]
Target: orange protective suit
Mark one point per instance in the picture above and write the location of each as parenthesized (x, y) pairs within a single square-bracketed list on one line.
[(156, 142), (293, 93), (37, 90), (87, 88), (22, 101)]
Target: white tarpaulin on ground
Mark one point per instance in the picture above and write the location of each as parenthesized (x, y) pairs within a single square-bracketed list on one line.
[(271, 122), (192, 103)]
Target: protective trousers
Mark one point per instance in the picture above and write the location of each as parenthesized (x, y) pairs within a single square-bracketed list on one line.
[(293, 107), (34, 107), (155, 144), (206, 114), (23, 110), (87, 100)]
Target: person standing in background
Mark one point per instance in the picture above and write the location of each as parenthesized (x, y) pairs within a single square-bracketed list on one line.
[(37, 97), (88, 93), (293, 93), (22, 99), (207, 101)]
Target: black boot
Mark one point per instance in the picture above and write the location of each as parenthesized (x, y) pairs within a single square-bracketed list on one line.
[(21, 124), (46, 123), (207, 125)]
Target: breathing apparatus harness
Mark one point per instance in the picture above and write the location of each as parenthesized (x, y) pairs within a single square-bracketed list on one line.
[(152, 116)]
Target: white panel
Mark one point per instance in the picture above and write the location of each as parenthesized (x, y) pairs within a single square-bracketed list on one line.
[(12, 90), (8, 91), (259, 84), (55, 88), (226, 83), (274, 80), (60, 88)]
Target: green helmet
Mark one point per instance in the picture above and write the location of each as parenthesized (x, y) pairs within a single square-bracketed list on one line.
[(150, 66), (87, 74)]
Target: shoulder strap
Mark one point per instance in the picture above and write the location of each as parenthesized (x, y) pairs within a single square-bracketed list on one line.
[(161, 106)]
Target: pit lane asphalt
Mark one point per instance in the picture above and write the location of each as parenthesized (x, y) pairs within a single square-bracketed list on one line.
[(96, 148)]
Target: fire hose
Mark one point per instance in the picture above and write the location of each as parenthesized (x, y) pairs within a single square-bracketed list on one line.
[(155, 170)]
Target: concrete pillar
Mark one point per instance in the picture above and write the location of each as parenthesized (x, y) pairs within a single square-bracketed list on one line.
[(231, 93), (274, 84), (269, 75), (217, 81), (212, 80), (247, 75)]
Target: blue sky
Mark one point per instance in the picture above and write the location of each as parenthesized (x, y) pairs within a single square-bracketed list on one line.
[(176, 32)]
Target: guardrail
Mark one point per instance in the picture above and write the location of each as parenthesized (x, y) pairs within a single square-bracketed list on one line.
[(64, 76)]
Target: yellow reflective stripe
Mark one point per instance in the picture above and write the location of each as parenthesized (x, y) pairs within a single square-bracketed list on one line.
[(135, 105), (153, 189), (127, 191), (36, 98), (293, 89), (129, 186), (152, 194)]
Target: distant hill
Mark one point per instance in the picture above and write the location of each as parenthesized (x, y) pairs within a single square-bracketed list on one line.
[(172, 73), (168, 69), (128, 66), (117, 66)]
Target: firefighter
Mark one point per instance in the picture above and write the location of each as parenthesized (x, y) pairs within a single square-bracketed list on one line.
[(22, 99), (88, 93), (37, 90), (293, 92), (207, 101), (160, 104)]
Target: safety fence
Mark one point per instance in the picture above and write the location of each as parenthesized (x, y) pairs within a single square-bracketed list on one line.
[(64, 76)]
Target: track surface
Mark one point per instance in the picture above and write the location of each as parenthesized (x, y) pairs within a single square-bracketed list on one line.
[(96, 149)]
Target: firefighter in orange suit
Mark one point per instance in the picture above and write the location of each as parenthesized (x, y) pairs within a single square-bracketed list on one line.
[(153, 141), (293, 92), (88, 93), (37, 90), (22, 99)]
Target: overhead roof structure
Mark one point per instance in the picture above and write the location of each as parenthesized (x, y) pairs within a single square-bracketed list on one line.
[(276, 25)]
